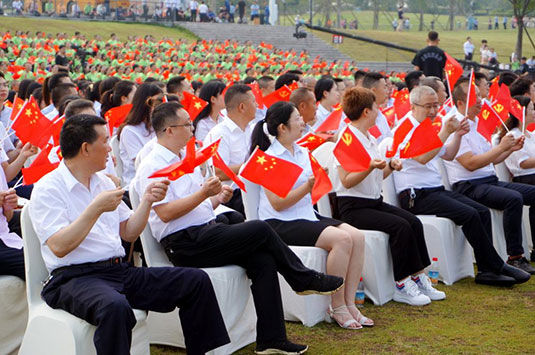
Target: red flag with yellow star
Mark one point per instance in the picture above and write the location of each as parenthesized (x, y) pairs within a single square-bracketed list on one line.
[(399, 136), (310, 141), (350, 152), (17, 105), (322, 183), (31, 125), (116, 115), (193, 104), (453, 70), (220, 164), (332, 122), (423, 139), (275, 174), (402, 104), (488, 121), (47, 160)]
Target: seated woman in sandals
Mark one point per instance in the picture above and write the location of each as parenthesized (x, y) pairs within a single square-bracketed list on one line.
[(296, 222), (361, 205)]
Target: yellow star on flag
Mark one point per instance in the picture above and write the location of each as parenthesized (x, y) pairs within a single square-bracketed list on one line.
[(261, 160)]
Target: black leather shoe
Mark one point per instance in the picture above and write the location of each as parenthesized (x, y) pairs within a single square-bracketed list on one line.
[(516, 273), (283, 347), (522, 264), (493, 279), (322, 284)]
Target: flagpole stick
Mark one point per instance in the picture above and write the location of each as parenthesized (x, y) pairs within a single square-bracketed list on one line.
[(18, 183), (6, 137), (449, 88), (503, 123), (523, 119)]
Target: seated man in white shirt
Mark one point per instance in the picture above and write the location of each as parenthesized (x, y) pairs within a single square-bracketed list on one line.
[(472, 174), (80, 219), (420, 189), (185, 224), (377, 84), (235, 133)]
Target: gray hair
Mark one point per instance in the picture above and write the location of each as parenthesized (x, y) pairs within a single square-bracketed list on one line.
[(419, 91), (432, 82)]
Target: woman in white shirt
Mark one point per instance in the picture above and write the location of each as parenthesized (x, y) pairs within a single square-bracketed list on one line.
[(211, 92), (136, 130), (327, 95), (361, 205), (521, 163), (122, 93), (295, 220)]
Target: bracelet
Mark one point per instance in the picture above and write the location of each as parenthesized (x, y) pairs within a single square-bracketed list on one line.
[(390, 165)]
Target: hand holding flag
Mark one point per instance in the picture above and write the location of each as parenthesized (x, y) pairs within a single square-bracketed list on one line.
[(322, 183), (351, 153)]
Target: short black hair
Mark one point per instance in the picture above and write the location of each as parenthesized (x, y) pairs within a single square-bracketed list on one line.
[(286, 79), (507, 78), (174, 84), (370, 79), (479, 76), (520, 86), (162, 113), (234, 91), (359, 74), (432, 36), (322, 85), (77, 130), (412, 79), (60, 91)]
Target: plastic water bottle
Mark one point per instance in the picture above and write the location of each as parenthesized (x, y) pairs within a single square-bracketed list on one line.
[(433, 271), (359, 296)]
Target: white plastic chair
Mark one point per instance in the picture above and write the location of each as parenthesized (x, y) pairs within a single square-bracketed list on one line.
[(498, 234), (310, 309), (378, 274), (114, 143), (231, 287), (54, 331), (13, 313)]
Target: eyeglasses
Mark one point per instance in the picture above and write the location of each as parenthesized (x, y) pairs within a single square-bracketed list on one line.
[(189, 125), (435, 105)]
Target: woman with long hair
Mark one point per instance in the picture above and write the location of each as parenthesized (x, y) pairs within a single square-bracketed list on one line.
[(136, 130), (122, 94), (327, 96), (295, 220), (211, 92)]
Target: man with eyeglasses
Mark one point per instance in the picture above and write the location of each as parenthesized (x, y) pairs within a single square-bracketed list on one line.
[(421, 191), (185, 224), (472, 174)]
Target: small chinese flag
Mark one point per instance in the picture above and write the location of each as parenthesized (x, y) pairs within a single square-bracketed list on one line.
[(257, 94), (471, 96), (220, 164), (351, 153), (453, 70), (30, 124), (402, 104), (375, 132), (516, 110), (116, 115), (390, 114), (399, 136), (503, 102), (181, 168), (322, 183), (423, 140), (293, 86), (193, 104), (310, 141), (281, 94), (47, 160), (275, 174), (332, 122), (488, 121), (207, 152), (494, 87), (17, 105)]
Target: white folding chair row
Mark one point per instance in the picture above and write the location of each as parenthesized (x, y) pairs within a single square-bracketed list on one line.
[(54, 331), (232, 289), (498, 233), (13, 313)]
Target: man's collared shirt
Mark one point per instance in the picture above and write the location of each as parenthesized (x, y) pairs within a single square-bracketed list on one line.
[(58, 199)]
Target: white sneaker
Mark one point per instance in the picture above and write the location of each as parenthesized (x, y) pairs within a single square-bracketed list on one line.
[(426, 287), (410, 294)]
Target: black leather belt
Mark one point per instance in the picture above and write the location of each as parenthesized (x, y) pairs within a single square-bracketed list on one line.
[(107, 262)]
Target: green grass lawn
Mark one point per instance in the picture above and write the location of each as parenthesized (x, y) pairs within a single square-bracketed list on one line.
[(91, 28), (473, 319)]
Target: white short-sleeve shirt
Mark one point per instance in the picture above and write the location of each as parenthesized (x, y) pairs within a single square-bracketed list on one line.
[(58, 199), (303, 208), (321, 115), (205, 125), (9, 239), (470, 142), (235, 142), (133, 138), (414, 174), (370, 187), (528, 151), (382, 124), (159, 158)]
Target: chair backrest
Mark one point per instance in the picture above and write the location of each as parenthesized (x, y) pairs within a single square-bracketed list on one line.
[(34, 265), (324, 156), (389, 191), (153, 251), (444, 174), (250, 199), (114, 143)]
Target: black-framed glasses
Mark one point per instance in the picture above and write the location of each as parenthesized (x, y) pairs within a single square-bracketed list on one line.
[(189, 125)]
